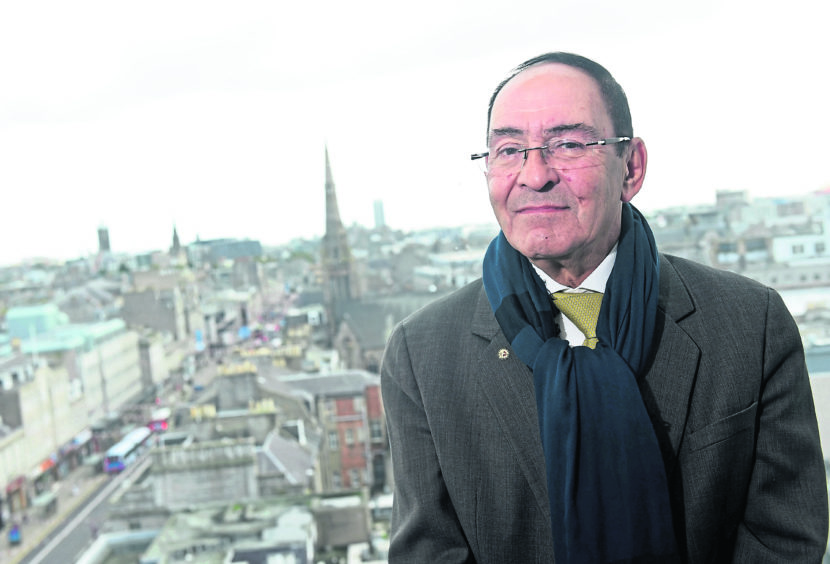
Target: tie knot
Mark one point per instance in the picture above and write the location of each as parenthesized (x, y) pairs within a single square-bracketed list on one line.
[(583, 310)]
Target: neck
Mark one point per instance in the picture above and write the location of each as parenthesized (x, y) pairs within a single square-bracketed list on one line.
[(564, 275), (571, 272)]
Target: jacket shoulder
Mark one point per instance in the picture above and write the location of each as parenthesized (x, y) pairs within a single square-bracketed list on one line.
[(699, 278), (455, 308)]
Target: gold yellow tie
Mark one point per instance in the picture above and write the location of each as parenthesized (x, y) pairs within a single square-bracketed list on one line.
[(583, 310)]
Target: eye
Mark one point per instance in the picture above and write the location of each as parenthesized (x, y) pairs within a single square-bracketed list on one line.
[(569, 145), (567, 148), (507, 151)]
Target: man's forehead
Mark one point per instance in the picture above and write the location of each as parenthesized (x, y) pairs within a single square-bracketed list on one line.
[(551, 75), (548, 92)]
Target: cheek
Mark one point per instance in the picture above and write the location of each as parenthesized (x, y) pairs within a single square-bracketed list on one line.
[(567, 176), (589, 187), (499, 189)]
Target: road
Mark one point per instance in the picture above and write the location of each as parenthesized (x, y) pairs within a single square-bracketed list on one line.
[(70, 539)]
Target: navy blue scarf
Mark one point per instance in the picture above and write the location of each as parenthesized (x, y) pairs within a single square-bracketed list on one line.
[(606, 480)]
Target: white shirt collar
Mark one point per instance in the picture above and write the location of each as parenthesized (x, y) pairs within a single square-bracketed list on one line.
[(595, 282)]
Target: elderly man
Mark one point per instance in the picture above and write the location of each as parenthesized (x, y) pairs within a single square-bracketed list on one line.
[(590, 399)]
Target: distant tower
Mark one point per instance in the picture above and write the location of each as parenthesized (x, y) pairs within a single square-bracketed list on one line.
[(103, 240), (336, 256), (176, 248), (380, 220)]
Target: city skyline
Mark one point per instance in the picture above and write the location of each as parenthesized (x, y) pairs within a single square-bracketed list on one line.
[(103, 234), (215, 119)]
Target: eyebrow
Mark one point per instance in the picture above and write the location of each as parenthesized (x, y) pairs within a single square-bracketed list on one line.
[(549, 132), (579, 127), (506, 132)]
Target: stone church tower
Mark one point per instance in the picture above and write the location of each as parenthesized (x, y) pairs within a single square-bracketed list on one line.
[(339, 285)]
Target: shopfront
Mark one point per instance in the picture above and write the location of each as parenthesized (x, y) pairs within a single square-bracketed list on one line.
[(16, 495), (73, 453), (44, 474)]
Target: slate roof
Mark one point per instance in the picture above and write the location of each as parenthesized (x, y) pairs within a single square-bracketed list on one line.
[(373, 319), (346, 382), (288, 457)]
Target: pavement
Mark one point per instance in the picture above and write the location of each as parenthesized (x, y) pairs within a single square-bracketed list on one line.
[(71, 492), (35, 526)]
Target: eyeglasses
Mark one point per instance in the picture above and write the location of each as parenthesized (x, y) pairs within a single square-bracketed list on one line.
[(558, 154)]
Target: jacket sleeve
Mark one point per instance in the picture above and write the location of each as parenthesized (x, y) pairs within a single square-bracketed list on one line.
[(424, 527), (786, 511)]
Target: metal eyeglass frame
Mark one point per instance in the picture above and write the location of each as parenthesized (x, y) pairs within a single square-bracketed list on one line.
[(607, 141)]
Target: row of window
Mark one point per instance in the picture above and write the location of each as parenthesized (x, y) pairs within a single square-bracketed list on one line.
[(347, 405), (726, 248), (353, 435), (356, 478), (819, 249), (349, 437), (804, 278)]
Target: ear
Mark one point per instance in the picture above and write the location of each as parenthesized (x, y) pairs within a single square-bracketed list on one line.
[(635, 169)]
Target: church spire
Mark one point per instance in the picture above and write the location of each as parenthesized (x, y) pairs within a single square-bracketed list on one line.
[(336, 255), (333, 222), (176, 246)]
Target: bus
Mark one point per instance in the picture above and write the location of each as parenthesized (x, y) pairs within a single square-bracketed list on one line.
[(126, 451), (159, 419)]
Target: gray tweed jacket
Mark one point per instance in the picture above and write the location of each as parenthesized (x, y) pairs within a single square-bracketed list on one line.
[(727, 391)]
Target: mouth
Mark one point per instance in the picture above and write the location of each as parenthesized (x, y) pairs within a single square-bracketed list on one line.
[(542, 208)]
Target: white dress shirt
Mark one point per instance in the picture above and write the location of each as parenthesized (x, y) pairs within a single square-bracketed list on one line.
[(594, 283)]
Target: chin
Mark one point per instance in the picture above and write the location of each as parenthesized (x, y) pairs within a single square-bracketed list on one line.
[(539, 250), (529, 242)]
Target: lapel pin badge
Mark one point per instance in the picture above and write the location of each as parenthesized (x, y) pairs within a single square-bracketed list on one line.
[(503, 354)]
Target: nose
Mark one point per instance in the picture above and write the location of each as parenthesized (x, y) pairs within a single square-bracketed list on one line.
[(536, 174)]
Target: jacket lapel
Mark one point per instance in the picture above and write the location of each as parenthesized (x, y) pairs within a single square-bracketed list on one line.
[(507, 384), (667, 384)]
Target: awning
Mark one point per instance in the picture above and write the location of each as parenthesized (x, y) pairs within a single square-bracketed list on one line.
[(38, 470), (77, 441), (83, 437)]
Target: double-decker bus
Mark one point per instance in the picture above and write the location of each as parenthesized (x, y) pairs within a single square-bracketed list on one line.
[(124, 452)]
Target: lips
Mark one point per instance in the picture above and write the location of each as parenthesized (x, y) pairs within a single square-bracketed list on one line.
[(542, 208)]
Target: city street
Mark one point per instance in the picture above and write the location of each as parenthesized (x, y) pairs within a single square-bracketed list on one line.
[(79, 516)]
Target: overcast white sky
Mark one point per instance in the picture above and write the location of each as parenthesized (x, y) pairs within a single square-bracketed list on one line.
[(213, 116)]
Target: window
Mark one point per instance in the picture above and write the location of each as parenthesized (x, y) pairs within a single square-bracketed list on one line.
[(349, 435), (820, 248), (755, 245), (375, 429), (334, 443), (798, 249), (76, 389), (786, 209), (330, 407)]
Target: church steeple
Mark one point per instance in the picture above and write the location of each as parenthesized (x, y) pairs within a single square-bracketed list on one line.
[(176, 248), (333, 222), (336, 255)]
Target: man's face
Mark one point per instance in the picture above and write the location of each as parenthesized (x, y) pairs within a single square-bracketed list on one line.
[(557, 217)]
